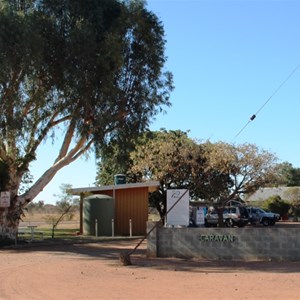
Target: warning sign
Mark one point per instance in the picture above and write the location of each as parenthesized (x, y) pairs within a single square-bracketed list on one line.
[(5, 199)]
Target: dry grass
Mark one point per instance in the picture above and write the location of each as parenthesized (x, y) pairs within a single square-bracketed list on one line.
[(42, 220)]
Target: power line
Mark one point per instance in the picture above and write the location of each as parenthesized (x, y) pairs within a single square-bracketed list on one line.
[(275, 92)]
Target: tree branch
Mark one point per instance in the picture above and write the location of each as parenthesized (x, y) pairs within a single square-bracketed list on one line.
[(67, 141), (34, 143), (80, 148)]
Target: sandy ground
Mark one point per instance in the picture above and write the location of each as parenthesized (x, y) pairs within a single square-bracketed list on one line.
[(93, 271)]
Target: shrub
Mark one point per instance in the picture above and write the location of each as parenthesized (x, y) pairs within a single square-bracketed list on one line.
[(277, 205)]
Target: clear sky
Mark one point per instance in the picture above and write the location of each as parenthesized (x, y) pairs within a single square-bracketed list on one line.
[(228, 59)]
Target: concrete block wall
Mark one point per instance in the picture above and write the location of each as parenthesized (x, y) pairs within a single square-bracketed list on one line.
[(250, 243)]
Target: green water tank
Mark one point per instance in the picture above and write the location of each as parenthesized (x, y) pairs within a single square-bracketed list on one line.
[(98, 212)]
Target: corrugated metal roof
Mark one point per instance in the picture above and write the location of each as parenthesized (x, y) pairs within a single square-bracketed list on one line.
[(152, 185), (265, 193)]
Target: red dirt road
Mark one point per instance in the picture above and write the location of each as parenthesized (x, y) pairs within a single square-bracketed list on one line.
[(93, 271)]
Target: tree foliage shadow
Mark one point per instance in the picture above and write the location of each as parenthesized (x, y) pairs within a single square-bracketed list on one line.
[(110, 250)]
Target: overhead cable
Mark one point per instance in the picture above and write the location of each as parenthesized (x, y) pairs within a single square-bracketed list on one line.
[(278, 88)]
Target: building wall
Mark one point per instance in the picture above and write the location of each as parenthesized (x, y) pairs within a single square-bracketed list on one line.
[(130, 204), (225, 243)]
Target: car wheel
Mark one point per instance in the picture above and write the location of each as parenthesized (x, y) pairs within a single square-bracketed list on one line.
[(265, 222), (229, 223)]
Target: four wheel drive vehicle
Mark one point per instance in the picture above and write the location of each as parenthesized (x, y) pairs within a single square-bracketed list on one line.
[(259, 216), (232, 216)]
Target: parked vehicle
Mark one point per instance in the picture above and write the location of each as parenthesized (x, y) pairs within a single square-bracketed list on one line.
[(232, 216), (259, 216)]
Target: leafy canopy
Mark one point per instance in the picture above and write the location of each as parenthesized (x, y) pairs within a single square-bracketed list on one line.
[(212, 172), (92, 71), (287, 175)]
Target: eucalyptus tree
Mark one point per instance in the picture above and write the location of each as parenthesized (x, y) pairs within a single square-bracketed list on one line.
[(287, 175), (173, 159), (247, 166), (214, 172), (90, 71), (114, 158)]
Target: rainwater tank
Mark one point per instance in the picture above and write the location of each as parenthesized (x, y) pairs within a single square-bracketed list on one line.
[(120, 179), (98, 212)]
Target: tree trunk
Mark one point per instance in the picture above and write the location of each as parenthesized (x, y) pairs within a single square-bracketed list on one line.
[(10, 217), (220, 211), (9, 223)]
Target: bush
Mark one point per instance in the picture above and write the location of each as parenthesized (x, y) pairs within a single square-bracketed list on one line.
[(277, 205)]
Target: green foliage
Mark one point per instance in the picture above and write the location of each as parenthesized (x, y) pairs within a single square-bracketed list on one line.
[(114, 159), (35, 207), (248, 166), (66, 204), (65, 207), (277, 205), (171, 158), (94, 68), (287, 175), (293, 196), (64, 195), (210, 171)]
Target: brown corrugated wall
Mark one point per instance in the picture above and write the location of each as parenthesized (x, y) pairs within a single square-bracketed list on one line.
[(131, 204)]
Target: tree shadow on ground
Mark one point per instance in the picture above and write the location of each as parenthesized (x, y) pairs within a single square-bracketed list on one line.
[(110, 250)]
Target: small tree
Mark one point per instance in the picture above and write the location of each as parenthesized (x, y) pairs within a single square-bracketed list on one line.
[(65, 207)]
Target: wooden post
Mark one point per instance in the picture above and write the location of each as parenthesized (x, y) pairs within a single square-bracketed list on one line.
[(81, 214), (130, 227), (112, 227), (96, 227)]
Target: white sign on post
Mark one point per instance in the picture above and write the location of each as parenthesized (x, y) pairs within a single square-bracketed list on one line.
[(200, 215), (5, 199), (179, 214)]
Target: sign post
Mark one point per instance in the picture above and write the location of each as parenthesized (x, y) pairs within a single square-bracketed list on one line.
[(200, 215)]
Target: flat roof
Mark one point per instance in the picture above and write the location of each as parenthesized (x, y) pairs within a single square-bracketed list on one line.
[(151, 185)]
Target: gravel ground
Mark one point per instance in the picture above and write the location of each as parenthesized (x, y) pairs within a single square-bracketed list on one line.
[(92, 270)]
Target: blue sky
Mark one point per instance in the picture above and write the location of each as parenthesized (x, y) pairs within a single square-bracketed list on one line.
[(227, 58)]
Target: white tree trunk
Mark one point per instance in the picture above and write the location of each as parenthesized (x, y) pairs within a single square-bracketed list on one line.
[(10, 217)]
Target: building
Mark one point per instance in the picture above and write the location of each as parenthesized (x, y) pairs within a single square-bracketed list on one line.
[(285, 193), (130, 203)]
